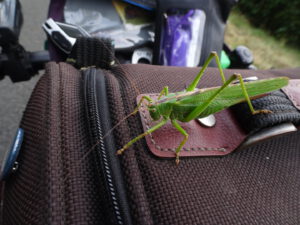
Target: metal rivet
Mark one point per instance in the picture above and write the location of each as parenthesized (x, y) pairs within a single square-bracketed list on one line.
[(208, 121)]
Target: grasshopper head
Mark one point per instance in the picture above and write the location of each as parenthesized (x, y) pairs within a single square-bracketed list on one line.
[(154, 113)]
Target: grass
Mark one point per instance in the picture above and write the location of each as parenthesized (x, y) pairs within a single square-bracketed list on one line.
[(268, 51)]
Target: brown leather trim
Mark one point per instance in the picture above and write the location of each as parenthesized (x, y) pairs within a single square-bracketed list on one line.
[(293, 92), (219, 140)]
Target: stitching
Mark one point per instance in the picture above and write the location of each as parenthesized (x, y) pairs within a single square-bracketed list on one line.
[(143, 112)]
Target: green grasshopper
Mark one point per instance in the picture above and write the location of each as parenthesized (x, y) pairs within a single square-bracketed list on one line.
[(195, 103)]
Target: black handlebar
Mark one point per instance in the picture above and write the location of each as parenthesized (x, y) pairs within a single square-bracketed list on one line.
[(19, 64)]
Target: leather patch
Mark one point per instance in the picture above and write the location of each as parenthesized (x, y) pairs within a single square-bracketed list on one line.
[(219, 140), (292, 90)]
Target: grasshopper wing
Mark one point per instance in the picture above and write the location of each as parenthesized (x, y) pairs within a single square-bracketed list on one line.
[(231, 95)]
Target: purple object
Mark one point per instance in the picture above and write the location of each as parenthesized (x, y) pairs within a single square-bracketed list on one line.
[(176, 39), (182, 38), (56, 12)]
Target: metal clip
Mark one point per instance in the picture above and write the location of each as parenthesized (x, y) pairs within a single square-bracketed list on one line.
[(63, 35), (58, 36), (268, 133)]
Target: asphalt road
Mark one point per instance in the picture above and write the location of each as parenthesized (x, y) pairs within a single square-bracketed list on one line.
[(14, 97)]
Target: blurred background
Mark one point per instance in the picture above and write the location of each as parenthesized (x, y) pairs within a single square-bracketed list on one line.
[(14, 96), (270, 29)]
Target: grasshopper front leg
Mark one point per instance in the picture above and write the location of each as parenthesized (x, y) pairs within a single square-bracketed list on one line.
[(149, 131), (165, 91), (140, 104)]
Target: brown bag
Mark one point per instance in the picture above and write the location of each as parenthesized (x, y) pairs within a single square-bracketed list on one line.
[(69, 172)]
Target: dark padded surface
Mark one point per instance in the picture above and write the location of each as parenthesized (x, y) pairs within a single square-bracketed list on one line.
[(277, 102), (56, 184), (258, 185)]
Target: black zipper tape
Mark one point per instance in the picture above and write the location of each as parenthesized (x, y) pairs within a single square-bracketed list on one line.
[(108, 164)]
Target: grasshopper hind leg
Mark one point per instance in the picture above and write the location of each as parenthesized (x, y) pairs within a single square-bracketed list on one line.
[(164, 92), (195, 82), (253, 111)]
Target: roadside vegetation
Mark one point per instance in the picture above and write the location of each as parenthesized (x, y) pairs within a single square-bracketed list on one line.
[(269, 52)]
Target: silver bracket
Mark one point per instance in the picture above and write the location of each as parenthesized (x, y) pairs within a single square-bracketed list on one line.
[(208, 121), (268, 133)]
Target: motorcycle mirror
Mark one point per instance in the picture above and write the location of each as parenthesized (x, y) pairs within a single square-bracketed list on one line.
[(11, 20)]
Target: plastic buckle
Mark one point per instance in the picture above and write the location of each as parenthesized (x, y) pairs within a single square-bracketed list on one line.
[(267, 133)]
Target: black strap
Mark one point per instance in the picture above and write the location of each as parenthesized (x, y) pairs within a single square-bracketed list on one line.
[(283, 111), (87, 51)]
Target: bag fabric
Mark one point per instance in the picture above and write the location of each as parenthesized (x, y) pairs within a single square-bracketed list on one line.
[(58, 183)]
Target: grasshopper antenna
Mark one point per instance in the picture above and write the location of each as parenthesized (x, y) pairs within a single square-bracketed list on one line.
[(116, 61), (99, 141)]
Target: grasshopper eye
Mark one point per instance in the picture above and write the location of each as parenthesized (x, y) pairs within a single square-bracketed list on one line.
[(154, 113)]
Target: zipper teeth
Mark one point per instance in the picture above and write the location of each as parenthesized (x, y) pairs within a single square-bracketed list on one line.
[(103, 154)]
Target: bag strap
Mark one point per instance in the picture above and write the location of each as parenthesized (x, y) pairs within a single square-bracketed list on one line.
[(87, 51), (278, 102)]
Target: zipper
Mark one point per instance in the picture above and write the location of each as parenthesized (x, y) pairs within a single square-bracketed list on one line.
[(107, 162)]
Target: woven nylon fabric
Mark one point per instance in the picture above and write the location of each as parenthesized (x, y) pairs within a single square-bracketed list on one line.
[(259, 185), (54, 183), (277, 102), (93, 52)]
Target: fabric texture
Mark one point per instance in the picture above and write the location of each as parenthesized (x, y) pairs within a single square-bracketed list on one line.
[(57, 182), (277, 102), (257, 185), (98, 52)]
